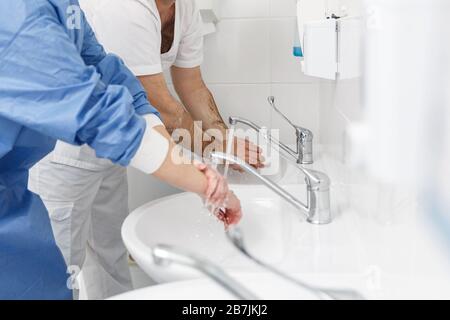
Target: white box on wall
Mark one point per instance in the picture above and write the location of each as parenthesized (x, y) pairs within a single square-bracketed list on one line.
[(320, 49), (332, 48)]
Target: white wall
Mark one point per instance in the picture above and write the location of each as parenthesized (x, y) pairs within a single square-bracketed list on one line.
[(340, 101), (250, 58), (340, 106)]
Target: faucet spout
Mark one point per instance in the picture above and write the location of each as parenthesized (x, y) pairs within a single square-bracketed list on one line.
[(164, 255), (236, 120), (303, 154), (236, 237), (316, 210)]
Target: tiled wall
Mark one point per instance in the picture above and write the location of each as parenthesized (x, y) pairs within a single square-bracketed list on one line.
[(340, 105), (250, 58), (340, 101)]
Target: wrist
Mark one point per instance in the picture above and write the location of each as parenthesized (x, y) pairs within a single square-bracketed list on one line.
[(153, 149)]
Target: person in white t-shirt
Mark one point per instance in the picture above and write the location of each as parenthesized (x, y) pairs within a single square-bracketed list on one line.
[(87, 197)]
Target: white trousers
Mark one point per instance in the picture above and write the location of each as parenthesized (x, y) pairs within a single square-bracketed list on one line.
[(87, 209)]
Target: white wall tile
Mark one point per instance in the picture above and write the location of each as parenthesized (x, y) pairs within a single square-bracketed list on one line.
[(238, 53), (348, 99), (300, 103), (354, 7), (332, 122), (312, 10), (283, 8), (247, 101), (243, 8)]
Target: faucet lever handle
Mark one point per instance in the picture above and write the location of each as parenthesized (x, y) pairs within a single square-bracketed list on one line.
[(297, 128), (271, 100)]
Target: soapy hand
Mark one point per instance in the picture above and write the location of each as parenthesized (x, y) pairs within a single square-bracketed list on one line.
[(231, 212), (249, 152), (219, 199)]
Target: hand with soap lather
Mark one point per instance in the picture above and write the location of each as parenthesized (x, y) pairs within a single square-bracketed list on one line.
[(219, 199)]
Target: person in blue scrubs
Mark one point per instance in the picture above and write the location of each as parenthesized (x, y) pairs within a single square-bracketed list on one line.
[(57, 82)]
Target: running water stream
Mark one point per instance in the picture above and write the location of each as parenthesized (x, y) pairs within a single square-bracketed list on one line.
[(229, 150), (211, 208)]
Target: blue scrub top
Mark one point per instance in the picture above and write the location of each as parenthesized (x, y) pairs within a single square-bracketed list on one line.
[(56, 82)]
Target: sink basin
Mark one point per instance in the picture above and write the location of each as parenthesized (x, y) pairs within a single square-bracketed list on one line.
[(262, 285), (388, 255), (182, 221)]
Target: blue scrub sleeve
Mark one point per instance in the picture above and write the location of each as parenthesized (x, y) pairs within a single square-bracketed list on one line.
[(113, 71), (46, 86)]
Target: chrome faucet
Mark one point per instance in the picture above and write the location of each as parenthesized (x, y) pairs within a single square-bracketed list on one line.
[(164, 255), (317, 209), (236, 237), (304, 145)]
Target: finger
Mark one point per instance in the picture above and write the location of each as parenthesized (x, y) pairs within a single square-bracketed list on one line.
[(252, 158), (220, 214), (234, 216), (261, 161), (255, 160), (236, 167), (232, 211), (224, 219), (253, 148)]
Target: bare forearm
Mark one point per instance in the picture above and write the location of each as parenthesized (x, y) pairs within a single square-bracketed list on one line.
[(178, 174), (175, 116), (197, 98), (203, 107)]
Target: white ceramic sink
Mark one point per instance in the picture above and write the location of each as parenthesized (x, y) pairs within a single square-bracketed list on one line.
[(392, 257), (261, 285), (205, 289), (182, 221)]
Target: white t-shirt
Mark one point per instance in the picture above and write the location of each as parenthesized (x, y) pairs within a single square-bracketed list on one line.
[(132, 30)]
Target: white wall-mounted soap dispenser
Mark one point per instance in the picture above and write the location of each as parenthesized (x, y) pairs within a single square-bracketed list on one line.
[(332, 48), (320, 49), (210, 17)]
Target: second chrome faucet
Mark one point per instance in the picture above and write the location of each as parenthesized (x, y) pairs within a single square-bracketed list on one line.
[(304, 137), (317, 206)]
